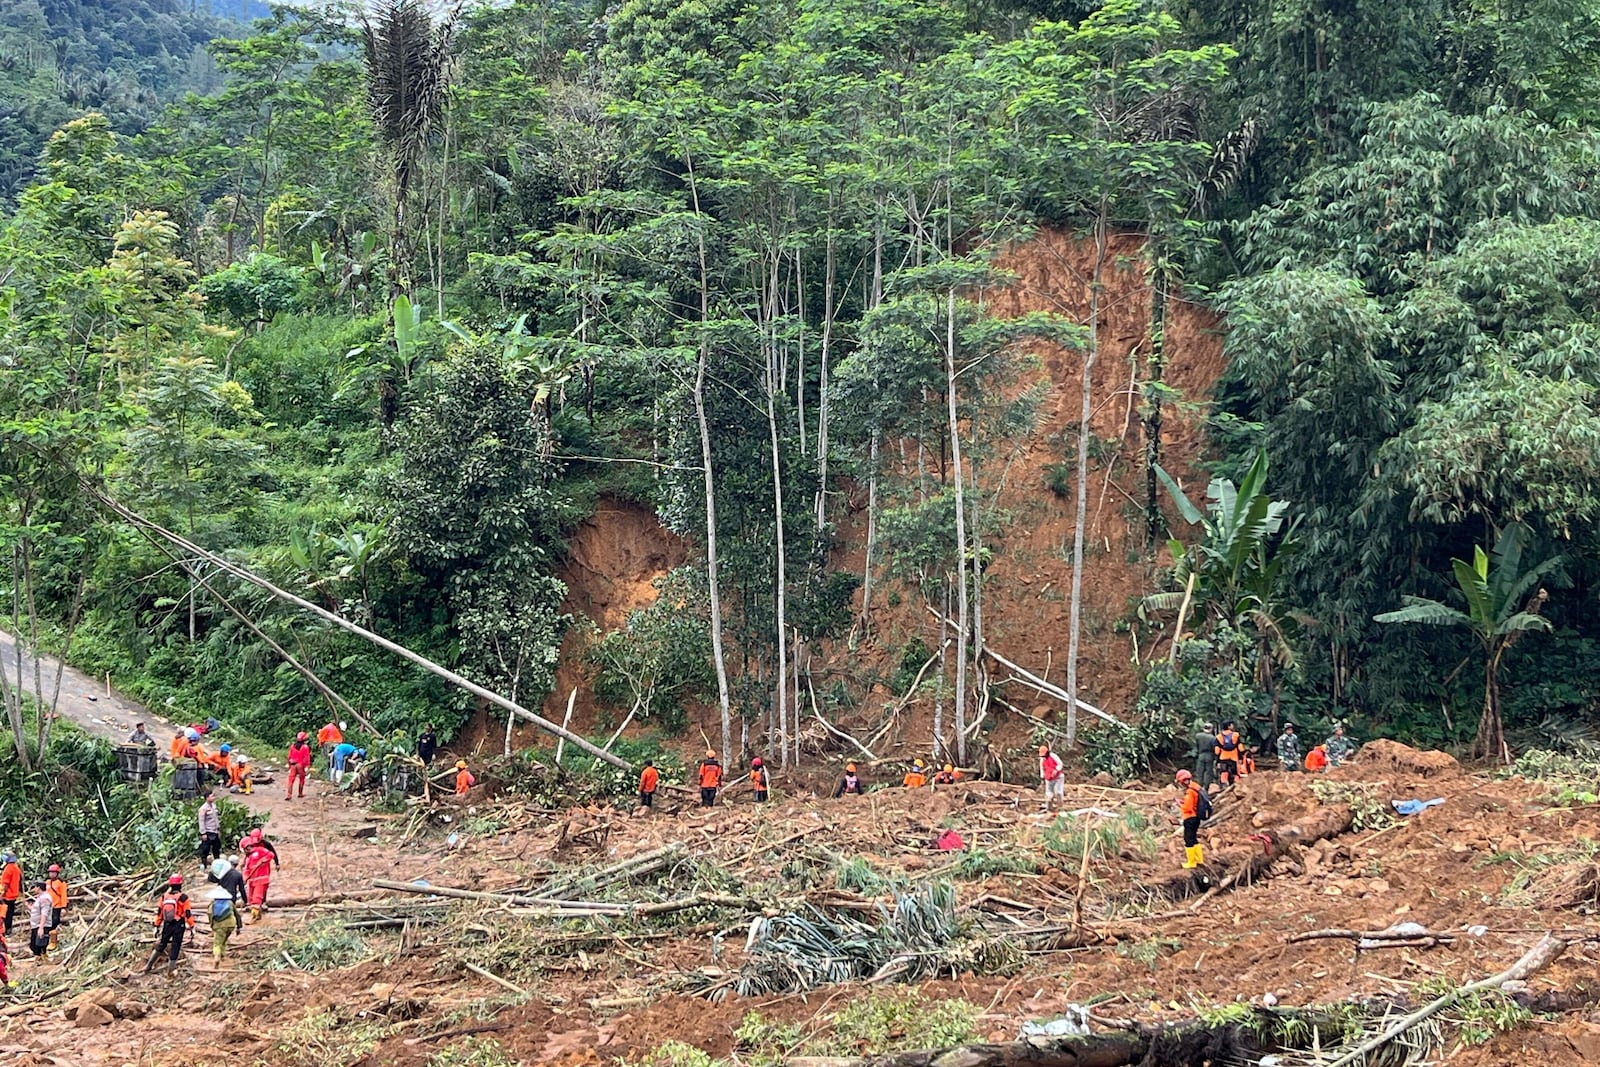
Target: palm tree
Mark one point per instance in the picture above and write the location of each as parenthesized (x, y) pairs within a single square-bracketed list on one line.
[(1499, 610), (407, 60)]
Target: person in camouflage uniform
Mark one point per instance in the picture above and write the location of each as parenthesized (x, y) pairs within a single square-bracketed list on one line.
[(1289, 748), (1338, 746), (1205, 755)]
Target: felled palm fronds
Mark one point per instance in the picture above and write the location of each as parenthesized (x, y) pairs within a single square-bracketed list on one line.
[(921, 937)]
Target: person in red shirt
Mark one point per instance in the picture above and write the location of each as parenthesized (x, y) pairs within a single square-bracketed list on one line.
[(1317, 758), (648, 779), (710, 779), (299, 766)]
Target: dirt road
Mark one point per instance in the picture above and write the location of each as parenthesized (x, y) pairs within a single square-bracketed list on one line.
[(87, 701)]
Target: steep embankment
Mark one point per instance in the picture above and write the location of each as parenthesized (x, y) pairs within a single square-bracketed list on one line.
[(616, 555)]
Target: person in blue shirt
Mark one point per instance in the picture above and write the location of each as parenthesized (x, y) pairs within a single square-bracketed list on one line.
[(343, 758)]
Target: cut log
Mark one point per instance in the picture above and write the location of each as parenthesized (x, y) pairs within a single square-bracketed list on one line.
[(1188, 1044), (1243, 865)]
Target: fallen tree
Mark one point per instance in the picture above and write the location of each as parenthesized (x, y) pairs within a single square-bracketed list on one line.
[(1243, 865), (1188, 1044)]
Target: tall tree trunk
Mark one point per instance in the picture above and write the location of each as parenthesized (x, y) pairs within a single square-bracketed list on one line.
[(963, 623), (713, 590), (1075, 609), (1160, 284), (780, 578)]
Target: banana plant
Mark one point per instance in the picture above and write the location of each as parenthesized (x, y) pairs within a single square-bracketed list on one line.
[(1232, 573), (1503, 602)]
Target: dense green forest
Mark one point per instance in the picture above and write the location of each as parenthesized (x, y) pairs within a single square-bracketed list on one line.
[(380, 301)]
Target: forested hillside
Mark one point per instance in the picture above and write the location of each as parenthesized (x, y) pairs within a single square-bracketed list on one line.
[(880, 306), (126, 59)]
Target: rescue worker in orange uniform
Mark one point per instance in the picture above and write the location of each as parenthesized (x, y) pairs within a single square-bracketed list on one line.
[(649, 778), (11, 889), (1317, 758), (948, 776), (464, 779), (1247, 760), (1227, 753), (1192, 811), (180, 747), (758, 781), (710, 779), (173, 917), (917, 776), (56, 887)]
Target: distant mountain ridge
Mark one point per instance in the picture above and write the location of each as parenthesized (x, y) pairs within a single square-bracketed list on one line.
[(125, 58)]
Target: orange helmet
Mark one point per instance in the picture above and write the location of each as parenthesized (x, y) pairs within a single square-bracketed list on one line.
[(1183, 776)]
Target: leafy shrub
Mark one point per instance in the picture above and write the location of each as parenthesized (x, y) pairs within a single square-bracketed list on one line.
[(1170, 702), (898, 1022), (977, 863), (255, 289)]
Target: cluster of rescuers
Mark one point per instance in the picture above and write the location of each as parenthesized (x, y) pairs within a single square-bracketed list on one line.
[(1221, 756), (237, 883)]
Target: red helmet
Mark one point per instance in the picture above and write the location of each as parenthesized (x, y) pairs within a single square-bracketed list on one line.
[(55, 868), (176, 879), (756, 762), (301, 736), (1183, 776)]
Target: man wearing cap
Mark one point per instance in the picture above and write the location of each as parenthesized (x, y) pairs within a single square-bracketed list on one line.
[(139, 737), (10, 888), (299, 765), (464, 778), (173, 917), (710, 778), (210, 821), (1288, 749), (56, 886)]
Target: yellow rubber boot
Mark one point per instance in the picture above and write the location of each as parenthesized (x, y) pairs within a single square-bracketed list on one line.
[(1199, 855), (1188, 858)]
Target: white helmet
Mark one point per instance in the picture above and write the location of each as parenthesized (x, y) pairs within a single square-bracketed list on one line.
[(242, 758), (342, 726)]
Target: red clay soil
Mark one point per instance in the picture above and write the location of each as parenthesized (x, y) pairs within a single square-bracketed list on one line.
[(1477, 860), (616, 555)]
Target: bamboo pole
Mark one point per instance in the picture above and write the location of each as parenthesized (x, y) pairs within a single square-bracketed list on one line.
[(345, 624)]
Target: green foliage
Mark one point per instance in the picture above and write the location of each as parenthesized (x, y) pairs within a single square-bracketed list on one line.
[(473, 1052), (253, 290), (1369, 806), (325, 945), (899, 1022), (1069, 836), (979, 863), (1171, 700), (661, 658), (1148, 951), (763, 1043)]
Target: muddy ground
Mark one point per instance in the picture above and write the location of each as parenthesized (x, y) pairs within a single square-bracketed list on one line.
[(1496, 865)]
